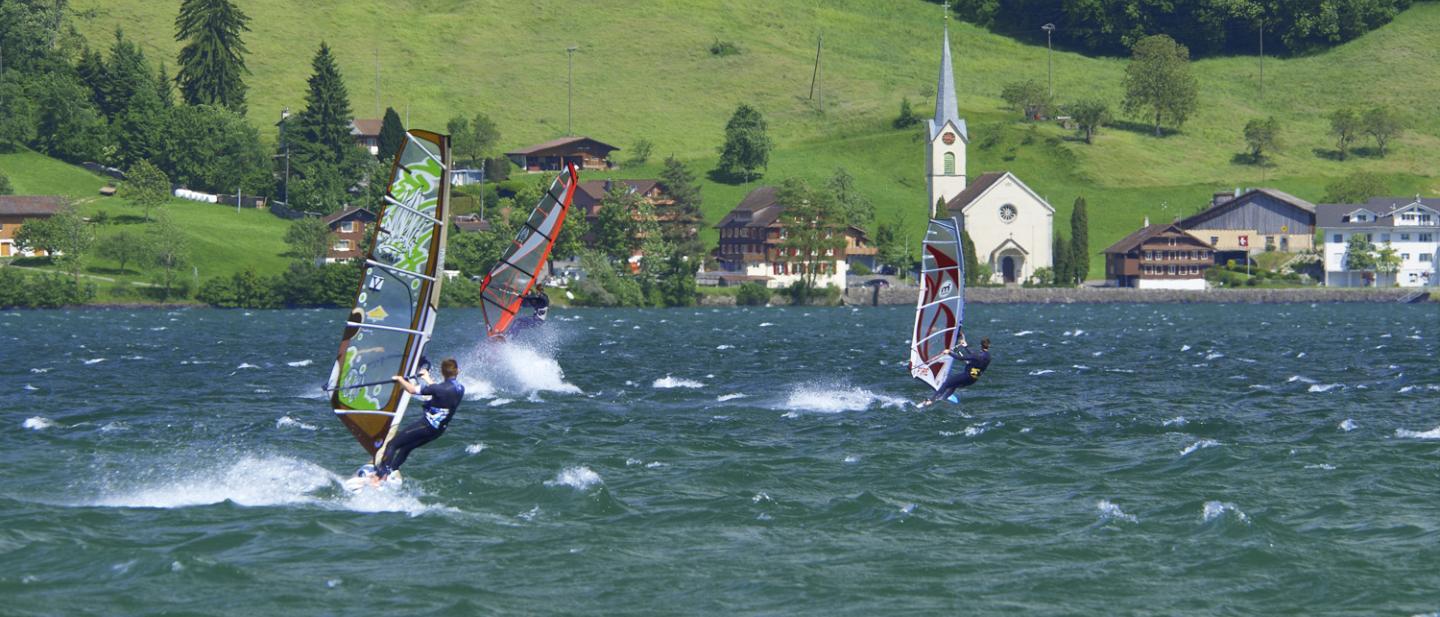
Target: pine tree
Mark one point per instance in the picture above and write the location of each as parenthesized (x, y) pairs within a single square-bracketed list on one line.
[(91, 70), (392, 134), (684, 219), (126, 72), (140, 130), (1079, 242), (164, 88), (212, 62), (323, 153)]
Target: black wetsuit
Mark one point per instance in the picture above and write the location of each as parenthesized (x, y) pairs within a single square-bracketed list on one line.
[(975, 364), (537, 302), (445, 398)]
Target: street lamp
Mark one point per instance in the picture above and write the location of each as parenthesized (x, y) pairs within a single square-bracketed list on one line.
[(570, 91), (1049, 66)]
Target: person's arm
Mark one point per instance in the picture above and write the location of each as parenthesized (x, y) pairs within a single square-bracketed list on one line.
[(412, 387)]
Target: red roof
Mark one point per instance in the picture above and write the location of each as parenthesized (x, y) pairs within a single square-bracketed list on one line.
[(369, 127), (30, 205)]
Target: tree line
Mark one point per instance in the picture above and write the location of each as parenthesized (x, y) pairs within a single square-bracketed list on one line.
[(1210, 27)]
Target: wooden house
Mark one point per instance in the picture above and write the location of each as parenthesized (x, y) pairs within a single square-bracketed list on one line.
[(15, 210), (553, 155), (1240, 224), (347, 233), (751, 238), (1162, 256)]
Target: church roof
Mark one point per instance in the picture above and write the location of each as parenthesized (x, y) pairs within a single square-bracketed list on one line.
[(976, 188), (946, 109)]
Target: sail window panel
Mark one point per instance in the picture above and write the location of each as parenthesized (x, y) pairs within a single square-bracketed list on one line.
[(389, 297), (371, 355)]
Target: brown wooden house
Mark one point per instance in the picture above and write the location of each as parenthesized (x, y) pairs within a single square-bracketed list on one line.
[(347, 233), (553, 155), (15, 210), (366, 132), (750, 248), (1162, 256)]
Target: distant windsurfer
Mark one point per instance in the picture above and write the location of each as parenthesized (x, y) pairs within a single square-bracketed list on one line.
[(445, 398), (962, 377)]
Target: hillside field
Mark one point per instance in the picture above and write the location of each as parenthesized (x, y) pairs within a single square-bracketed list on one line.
[(649, 74)]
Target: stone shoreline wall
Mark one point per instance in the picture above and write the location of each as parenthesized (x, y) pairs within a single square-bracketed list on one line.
[(860, 296)]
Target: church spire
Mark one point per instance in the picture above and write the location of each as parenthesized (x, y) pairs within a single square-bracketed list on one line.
[(946, 110)]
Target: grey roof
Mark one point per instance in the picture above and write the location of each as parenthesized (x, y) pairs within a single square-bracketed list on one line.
[(757, 209), (1332, 215), (563, 141), (355, 212), (1216, 210), (946, 108), (30, 205)]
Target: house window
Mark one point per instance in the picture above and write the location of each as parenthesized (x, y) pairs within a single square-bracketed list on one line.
[(342, 245), (1427, 237), (347, 227), (1214, 239), (1424, 219), (1171, 269), (1425, 257), (1404, 257), (1269, 243), (1408, 216), (1384, 237), (1338, 238), (949, 163), (1404, 237)]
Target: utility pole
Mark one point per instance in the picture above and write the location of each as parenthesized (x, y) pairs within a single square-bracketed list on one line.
[(1262, 56), (570, 91), (377, 84), (817, 74), (1049, 64)]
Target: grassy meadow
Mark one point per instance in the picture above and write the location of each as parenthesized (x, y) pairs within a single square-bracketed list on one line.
[(648, 73)]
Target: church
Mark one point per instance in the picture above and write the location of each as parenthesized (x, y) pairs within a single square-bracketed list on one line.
[(1012, 226)]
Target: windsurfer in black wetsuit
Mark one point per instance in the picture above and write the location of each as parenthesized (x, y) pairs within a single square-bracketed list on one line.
[(962, 377), (537, 301), (445, 398)]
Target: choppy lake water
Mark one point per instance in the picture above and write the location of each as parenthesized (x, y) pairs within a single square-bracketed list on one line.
[(1120, 459)]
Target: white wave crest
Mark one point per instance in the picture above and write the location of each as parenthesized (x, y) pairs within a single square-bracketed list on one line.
[(729, 397), (1184, 348), (1024, 333), (245, 365), (1214, 355), (836, 400), (94, 361), (1347, 425), (1203, 443), (1324, 387), (1433, 433), (254, 481), (668, 382), (30, 388), (724, 347), (299, 363), (1175, 421), (1112, 512), (500, 402), (1216, 509), (579, 478), (475, 448), (289, 422), (766, 324), (1299, 378), (1045, 371), (38, 423)]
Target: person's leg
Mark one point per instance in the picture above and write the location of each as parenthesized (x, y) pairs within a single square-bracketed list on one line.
[(409, 438)]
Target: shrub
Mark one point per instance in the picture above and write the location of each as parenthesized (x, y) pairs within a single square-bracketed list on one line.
[(753, 294), (860, 269), (721, 48)]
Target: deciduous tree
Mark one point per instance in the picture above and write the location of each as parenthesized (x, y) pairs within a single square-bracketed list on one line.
[(747, 144), (813, 236), (1158, 83), (1262, 135), (854, 207), (1355, 188), (145, 186), (1089, 115), (1384, 125), (1027, 97), (1345, 125), (123, 246), (170, 252)]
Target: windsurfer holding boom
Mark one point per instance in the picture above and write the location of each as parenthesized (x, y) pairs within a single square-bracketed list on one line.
[(975, 364), (445, 398)]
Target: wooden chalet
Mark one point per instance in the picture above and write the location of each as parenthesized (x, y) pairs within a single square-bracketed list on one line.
[(366, 132), (347, 233), (15, 210), (553, 155), (1162, 256), (750, 245)]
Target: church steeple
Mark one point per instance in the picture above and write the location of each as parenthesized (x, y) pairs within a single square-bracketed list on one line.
[(945, 150)]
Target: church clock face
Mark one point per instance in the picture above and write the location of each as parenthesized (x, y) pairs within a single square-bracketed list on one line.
[(948, 138), (1007, 213)]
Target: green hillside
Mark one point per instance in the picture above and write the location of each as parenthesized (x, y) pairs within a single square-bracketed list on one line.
[(647, 73), (222, 241)]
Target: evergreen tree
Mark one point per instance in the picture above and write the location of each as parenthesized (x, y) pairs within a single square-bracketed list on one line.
[(392, 134), (164, 88), (5, 188), (140, 130), (212, 61), (855, 207), (747, 145), (126, 72), (17, 111), (67, 125), (90, 68), (684, 218), (1079, 242), (1061, 256), (323, 153), (972, 264), (1158, 83), (613, 224)]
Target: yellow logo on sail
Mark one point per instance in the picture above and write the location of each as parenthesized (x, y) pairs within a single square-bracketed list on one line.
[(378, 313)]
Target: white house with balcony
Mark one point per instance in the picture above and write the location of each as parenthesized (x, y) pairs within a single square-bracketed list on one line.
[(1410, 226)]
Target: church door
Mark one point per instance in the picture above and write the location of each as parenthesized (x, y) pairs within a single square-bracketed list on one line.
[(1007, 268)]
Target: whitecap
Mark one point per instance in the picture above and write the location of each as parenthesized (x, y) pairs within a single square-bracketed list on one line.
[(1175, 421), (632, 461), (94, 361), (40, 370), (1299, 378), (299, 363), (1347, 425), (761, 496), (475, 448), (1080, 367), (1325, 466), (1045, 371), (245, 365), (835, 400), (766, 324), (579, 478), (851, 459), (1214, 355), (976, 430), (1324, 387), (38, 423), (729, 397), (1184, 348), (654, 465), (30, 388), (1433, 433), (114, 426), (1024, 333), (724, 347), (1216, 509), (668, 382), (288, 422), (1203, 443), (1110, 511), (499, 402)]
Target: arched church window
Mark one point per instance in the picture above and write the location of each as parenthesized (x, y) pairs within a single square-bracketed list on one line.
[(949, 163)]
